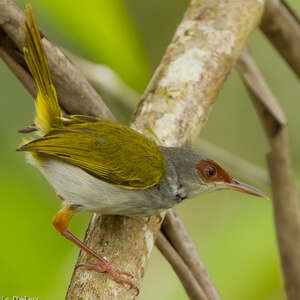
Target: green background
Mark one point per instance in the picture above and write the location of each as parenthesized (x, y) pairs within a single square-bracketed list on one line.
[(234, 233)]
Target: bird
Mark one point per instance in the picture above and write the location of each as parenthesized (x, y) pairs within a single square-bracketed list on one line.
[(100, 166)]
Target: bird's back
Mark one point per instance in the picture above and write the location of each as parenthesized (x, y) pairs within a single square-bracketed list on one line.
[(111, 152)]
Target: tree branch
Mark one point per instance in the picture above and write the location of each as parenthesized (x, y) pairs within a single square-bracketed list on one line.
[(107, 80), (205, 46), (183, 244), (75, 94), (193, 290), (285, 199), (282, 28), (15, 61)]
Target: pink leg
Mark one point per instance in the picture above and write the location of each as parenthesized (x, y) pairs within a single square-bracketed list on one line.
[(61, 222)]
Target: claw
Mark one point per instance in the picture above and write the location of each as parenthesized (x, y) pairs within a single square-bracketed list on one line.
[(61, 222), (113, 273)]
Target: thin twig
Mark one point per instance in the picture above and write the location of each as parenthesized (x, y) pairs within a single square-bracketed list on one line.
[(282, 28), (193, 290), (183, 244), (107, 80), (285, 200), (13, 60), (75, 94)]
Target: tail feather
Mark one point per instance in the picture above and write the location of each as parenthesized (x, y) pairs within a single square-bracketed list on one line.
[(48, 114)]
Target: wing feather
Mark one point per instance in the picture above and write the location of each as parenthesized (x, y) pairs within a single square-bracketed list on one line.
[(111, 152)]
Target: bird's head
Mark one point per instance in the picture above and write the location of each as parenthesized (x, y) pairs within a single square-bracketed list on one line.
[(198, 174), (215, 177)]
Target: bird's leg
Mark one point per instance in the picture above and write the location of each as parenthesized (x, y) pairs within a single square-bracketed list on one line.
[(61, 223)]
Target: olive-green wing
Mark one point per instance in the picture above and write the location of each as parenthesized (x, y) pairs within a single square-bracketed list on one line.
[(111, 152)]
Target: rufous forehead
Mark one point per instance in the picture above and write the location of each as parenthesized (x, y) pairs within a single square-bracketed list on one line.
[(221, 175)]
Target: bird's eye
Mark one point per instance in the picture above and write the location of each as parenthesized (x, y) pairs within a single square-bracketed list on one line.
[(211, 171)]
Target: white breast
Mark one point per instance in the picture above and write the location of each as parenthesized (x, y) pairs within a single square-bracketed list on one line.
[(77, 187)]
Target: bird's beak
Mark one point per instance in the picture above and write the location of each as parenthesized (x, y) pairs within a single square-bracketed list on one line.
[(241, 187)]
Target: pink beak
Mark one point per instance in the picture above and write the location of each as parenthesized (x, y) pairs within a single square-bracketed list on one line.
[(241, 187)]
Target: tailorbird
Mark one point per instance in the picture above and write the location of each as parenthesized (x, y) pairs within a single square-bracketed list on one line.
[(99, 166)]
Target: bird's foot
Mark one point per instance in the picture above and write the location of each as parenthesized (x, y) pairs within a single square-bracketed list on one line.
[(106, 267)]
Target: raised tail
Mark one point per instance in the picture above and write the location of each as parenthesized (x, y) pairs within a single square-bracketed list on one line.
[(48, 114)]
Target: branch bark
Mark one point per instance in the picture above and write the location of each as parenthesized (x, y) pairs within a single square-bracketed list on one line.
[(107, 80), (285, 199), (206, 45), (192, 287), (174, 108), (282, 28), (62, 70), (183, 244)]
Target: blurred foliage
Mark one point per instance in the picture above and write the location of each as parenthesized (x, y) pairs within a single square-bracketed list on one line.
[(104, 31), (234, 233)]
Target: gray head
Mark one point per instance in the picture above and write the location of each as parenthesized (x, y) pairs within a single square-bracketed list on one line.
[(198, 174)]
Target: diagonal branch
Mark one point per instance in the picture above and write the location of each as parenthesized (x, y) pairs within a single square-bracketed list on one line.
[(107, 80), (205, 46), (192, 287), (63, 72), (285, 199), (183, 245), (282, 27)]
